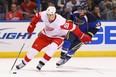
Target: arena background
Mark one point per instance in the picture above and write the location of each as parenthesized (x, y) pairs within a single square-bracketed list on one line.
[(14, 33)]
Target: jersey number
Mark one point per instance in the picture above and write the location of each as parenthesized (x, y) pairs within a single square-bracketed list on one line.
[(66, 25)]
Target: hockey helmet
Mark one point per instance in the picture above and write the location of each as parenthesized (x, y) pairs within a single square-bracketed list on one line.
[(51, 10)]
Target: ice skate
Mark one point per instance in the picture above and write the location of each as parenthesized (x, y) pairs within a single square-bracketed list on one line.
[(21, 65), (63, 60), (40, 65)]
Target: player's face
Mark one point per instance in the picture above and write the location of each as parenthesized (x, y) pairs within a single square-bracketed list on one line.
[(51, 17), (81, 12)]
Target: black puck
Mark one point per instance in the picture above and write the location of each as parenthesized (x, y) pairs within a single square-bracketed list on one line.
[(14, 72)]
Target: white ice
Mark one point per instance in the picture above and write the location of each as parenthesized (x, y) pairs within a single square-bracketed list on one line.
[(76, 67)]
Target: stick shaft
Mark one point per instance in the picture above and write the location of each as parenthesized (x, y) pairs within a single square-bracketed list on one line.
[(17, 56)]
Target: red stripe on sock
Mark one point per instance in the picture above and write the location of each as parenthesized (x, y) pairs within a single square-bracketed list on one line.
[(27, 59), (46, 57)]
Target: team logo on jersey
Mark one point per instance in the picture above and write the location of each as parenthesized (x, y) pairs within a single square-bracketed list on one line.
[(79, 21), (49, 28)]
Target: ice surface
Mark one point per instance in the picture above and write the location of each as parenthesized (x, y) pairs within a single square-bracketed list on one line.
[(76, 67)]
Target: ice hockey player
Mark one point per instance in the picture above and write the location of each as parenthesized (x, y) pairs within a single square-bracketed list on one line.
[(88, 24), (52, 35)]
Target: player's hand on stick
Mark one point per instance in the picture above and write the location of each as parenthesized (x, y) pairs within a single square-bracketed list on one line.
[(30, 29)]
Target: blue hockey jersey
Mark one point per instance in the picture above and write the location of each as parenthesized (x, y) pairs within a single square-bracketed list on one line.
[(87, 22)]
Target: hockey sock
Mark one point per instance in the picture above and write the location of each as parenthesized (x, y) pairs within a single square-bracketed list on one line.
[(63, 55), (66, 46), (48, 55), (46, 58), (68, 57), (71, 52), (30, 55)]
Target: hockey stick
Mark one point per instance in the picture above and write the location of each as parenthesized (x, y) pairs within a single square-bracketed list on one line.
[(18, 55)]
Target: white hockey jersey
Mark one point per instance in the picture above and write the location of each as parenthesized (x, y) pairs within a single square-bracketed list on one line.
[(59, 27), (53, 29)]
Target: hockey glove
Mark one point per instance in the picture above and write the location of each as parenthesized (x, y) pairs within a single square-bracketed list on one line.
[(85, 38), (30, 29), (75, 29)]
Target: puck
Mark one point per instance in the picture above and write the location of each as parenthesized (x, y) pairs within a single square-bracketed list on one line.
[(14, 72)]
